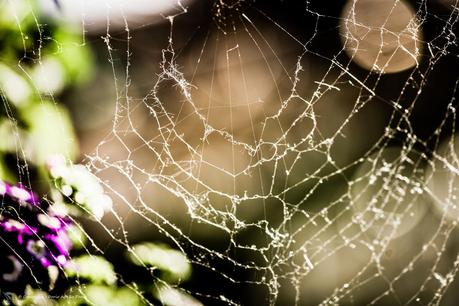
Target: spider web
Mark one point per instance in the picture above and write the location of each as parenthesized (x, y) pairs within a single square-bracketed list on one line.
[(288, 164)]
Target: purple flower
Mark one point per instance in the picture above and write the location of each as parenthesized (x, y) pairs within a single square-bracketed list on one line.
[(34, 242)]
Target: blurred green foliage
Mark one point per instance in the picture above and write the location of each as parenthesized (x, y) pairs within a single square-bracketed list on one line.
[(173, 264), (39, 60), (99, 295)]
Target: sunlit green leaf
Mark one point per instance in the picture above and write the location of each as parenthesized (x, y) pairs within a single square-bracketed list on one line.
[(75, 57), (51, 132), (15, 88), (93, 268), (98, 295), (172, 263), (175, 297)]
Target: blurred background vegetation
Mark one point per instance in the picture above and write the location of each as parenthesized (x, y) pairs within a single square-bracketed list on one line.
[(42, 61)]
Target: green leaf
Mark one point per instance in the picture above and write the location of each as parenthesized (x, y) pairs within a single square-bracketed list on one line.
[(96, 269), (99, 295), (169, 296), (172, 263), (51, 132), (73, 54)]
